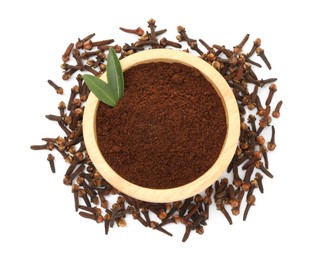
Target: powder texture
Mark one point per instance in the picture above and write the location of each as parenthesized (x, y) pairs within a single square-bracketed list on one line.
[(167, 130)]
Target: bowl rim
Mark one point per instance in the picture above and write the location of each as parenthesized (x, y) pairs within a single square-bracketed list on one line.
[(199, 184)]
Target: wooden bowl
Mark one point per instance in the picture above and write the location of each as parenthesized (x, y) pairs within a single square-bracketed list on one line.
[(204, 181)]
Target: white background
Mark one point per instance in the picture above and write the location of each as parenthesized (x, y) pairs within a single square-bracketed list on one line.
[(37, 218)]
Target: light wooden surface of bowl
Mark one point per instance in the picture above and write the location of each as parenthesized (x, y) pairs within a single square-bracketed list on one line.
[(204, 181)]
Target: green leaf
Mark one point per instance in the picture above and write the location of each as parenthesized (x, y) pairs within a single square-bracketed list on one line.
[(115, 76), (101, 90)]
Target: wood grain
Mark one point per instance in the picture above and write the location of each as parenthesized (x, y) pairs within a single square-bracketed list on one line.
[(200, 184)]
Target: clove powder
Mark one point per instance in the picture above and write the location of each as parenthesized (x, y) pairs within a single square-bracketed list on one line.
[(167, 130)]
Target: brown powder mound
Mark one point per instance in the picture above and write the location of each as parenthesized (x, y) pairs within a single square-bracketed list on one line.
[(167, 130)]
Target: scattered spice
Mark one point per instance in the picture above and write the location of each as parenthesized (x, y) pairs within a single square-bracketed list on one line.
[(89, 187), (50, 159)]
